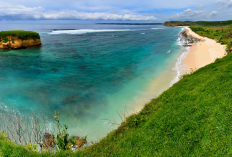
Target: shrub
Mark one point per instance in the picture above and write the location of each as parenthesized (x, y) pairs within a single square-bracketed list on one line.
[(24, 35)]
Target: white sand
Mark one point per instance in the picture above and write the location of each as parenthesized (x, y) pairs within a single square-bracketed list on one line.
[(204, 52)]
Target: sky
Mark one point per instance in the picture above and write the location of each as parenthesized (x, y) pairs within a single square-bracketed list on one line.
[(115, 10)]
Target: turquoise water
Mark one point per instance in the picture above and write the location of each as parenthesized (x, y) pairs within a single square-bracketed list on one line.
[(89, 73)]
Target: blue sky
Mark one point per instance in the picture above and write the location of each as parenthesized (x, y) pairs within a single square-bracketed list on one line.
[(115, 10)]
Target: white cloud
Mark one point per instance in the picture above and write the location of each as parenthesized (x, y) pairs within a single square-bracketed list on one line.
[(214, 13), (106, 5), (21, 12), (135, 10), (221, 2), (189, 15), (200, 6), (230, 4)]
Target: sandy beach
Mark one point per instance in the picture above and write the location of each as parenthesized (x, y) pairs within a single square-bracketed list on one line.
[(202, 53)]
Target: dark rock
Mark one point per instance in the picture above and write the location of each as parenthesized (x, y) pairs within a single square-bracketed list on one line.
[(49, 140)]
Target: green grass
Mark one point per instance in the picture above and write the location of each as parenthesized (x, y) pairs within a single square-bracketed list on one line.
[(192, 118), (24, 35), (9, 149)]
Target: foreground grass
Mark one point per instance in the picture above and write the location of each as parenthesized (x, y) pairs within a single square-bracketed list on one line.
[(192, 118)]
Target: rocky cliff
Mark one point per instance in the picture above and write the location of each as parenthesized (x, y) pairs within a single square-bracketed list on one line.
[(18, 39), (173, 24), (17, 43)]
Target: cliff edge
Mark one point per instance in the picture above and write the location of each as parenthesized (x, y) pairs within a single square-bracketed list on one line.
[(19, 39), (173, 24)]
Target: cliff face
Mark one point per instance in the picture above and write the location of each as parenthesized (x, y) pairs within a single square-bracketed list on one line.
[(175, 24), (17, 43)]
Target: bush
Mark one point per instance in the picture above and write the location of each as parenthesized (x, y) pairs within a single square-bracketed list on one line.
[(24, 35)]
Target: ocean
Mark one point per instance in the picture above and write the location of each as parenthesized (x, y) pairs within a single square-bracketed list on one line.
[(94, 75)]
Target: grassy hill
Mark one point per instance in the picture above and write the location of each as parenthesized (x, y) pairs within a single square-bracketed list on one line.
[(194, 117)]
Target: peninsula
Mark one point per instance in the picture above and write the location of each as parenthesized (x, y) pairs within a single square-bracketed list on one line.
[(17, 39)]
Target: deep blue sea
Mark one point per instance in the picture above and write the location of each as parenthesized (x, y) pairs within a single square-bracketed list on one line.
[(91, 74)]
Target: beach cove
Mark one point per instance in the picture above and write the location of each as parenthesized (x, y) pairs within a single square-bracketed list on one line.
[(90, 101), (89, 75), (201, 53)]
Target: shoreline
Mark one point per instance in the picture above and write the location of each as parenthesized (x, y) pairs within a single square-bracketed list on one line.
[(201, 53)]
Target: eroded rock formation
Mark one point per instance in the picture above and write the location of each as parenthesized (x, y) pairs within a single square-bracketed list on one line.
[(187, 39), (175, 24), (16, 43)]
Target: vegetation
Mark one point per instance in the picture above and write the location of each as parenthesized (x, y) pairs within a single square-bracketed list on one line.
[(8, 148), (204, 23), (15, 129), (62, 137), (24, 35)]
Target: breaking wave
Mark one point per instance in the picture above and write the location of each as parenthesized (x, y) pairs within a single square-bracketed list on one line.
[(84, 31)]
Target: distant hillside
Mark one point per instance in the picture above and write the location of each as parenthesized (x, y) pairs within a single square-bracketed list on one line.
[(129, 23), (198, 23)]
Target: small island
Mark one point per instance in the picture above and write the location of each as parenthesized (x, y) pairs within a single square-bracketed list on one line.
[(16, 39)]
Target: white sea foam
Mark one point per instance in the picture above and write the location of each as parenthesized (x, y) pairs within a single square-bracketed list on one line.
[(169, 51), (143, 33), (156, 28), (84, 31), (180, 59)]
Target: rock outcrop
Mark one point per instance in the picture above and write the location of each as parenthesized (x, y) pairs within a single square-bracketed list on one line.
[(186, 39), (80, 142), (175, 24), (49, 140), (17, 43)]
